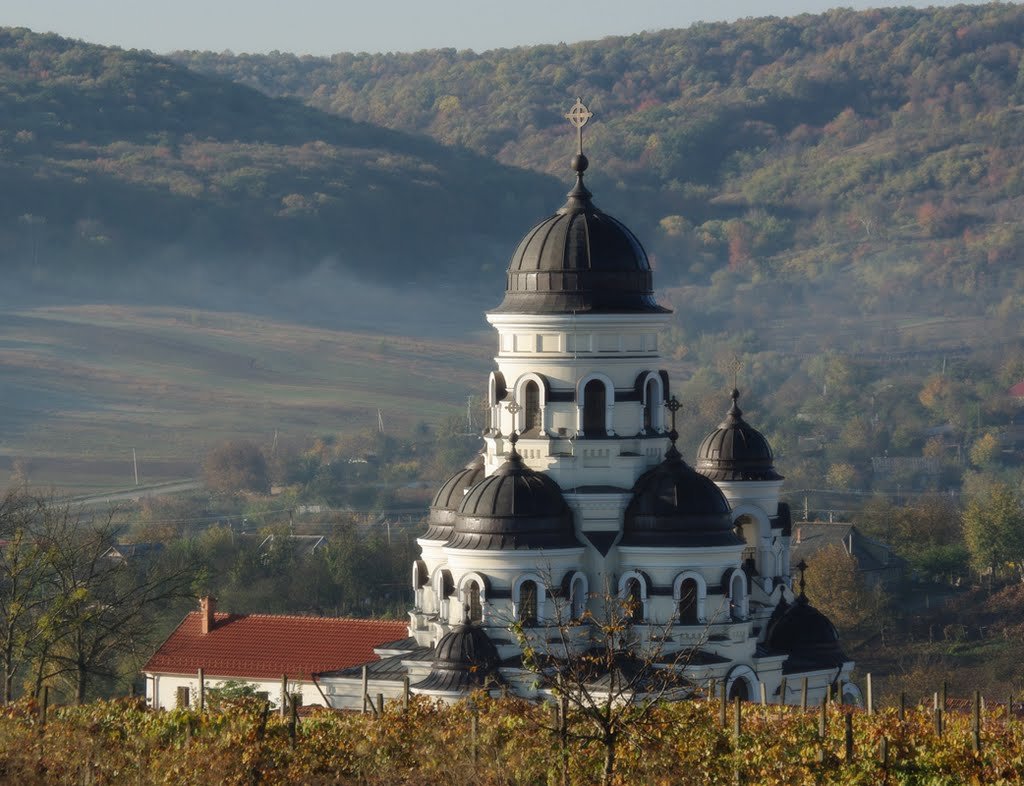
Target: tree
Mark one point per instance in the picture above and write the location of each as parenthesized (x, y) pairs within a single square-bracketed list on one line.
[(96, 610), (994, 527), (985, 450), (236, 466), (839, 591), (23, 571), (607, 678)]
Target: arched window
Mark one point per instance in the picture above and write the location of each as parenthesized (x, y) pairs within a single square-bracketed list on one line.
[(737, 604), (594, 402), (650, 394), (688, 611), (528, 602), (578, 597), (476, 612), (531, 406), (634, 600)]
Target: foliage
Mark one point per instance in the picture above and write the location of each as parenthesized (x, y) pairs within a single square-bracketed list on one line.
[(430, 743), (72, 611), (994, 528), (838, 590), (236, 466)]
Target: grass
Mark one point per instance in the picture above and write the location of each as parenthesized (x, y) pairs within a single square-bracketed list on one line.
[(83, 385)]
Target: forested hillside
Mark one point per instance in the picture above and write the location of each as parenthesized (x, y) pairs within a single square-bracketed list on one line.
[(117, 161), (886, 141)]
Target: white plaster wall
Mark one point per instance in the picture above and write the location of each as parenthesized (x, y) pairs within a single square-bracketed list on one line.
[(165, 696)]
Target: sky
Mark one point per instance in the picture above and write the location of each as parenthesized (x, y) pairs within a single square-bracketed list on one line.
[(323, 27)]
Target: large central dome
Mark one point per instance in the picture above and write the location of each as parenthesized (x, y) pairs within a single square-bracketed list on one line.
[(580, 260)]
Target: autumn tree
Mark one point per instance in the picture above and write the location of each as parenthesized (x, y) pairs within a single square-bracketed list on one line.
[(994, 527), (840, 592), (236, 466)]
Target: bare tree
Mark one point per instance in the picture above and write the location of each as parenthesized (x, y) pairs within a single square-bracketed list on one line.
[(607, 673), (23, 572), (101, 609)]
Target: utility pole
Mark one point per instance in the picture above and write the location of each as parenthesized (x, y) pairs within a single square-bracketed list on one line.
[(135, 464), (380, 421)]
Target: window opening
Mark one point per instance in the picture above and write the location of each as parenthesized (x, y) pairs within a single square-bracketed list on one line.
[(594, 402), (528, 602), (688, 602), (531, 406)]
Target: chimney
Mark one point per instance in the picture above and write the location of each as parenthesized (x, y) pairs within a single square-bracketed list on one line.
[(207, 612), (799, 534)]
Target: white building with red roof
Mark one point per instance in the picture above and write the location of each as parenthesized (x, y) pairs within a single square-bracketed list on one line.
[(258, 649)]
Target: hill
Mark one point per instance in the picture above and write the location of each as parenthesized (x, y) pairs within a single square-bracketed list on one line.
[(118, 164), (882, 145)]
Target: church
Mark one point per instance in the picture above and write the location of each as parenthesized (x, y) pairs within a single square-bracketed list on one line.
[(581, 507)]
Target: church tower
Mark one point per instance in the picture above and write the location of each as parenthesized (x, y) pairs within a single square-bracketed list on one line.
[(581, 498)]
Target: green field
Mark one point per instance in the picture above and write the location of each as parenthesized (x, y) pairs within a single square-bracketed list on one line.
[(83, 385)]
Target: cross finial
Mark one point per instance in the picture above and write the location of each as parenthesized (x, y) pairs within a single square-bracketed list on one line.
[(673, 406), (737, 366), (802, 566), (578, 116)]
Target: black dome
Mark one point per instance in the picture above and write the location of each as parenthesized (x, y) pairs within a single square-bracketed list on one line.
[(579, 260), (735, 450), (674, 506), (805, 634), (464, 659), (515, 508), (449, 497)]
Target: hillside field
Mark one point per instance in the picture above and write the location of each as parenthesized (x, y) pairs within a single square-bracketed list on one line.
[(83, 385)]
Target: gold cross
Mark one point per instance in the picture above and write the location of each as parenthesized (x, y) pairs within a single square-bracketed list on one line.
[(578, 116)]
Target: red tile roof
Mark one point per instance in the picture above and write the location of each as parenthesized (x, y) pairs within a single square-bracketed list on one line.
[(265, 646)]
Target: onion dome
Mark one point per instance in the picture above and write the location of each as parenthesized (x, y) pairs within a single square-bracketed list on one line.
[(514, 508), (673, 505), (465, 659), (449, 497), (804, 633), (735, 450), (580, 260)]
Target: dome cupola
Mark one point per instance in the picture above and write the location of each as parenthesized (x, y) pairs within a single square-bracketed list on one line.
[(514, 508), (448, 498), (804, 633), (735, 450), (673, 505), (465, 659), (580, 260)]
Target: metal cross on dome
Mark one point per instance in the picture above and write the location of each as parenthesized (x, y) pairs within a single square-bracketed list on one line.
[(578, 116), (673, 406), (802, 566)]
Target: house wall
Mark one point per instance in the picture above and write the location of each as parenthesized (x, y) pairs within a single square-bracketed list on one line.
[(162, 689)]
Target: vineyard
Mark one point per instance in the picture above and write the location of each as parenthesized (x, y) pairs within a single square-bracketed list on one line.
[(504, 741)]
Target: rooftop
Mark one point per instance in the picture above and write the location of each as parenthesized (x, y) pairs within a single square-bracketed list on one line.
[(264, 646)]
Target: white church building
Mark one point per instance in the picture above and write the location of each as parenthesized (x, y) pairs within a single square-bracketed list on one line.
[(581, 504)]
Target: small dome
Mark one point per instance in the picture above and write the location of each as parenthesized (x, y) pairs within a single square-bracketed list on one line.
[(735, 450), (449, 497), (464, 659), (674, 506), (580, 260), (805, 634), (515, 508)]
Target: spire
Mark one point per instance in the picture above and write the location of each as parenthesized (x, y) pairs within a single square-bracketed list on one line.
[(513, 454), (735, 414)]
